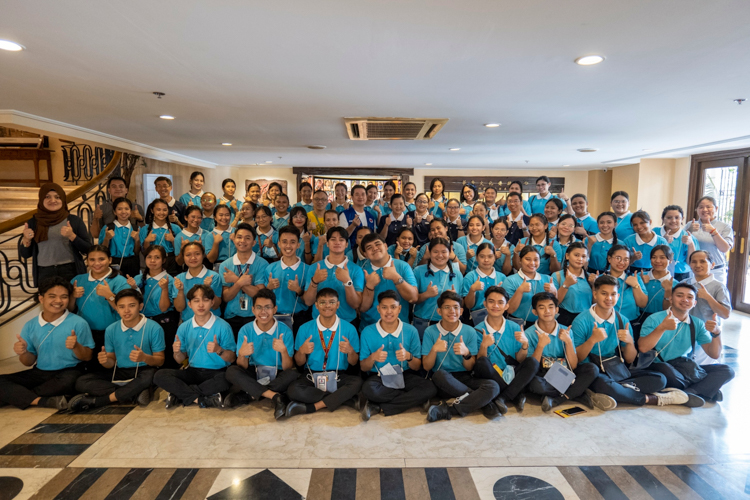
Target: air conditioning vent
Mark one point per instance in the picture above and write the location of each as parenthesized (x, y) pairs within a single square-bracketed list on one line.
[(393, 129)]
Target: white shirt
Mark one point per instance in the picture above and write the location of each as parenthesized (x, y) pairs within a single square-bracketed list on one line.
[(553, 333), (91, 278), (665, 277), (446, 269), (362, 217), (54, 323), (322, 328), (209, 324), (536, 277), (201, 274), (293, 267), (237, 262), (490, 276), (387, 264), (598, 237), (118, 225), (444, 332), (270, 331), (598, 320), (136, 327), (342, 265), (384, 334), (651, 243), (492, 331), (159, 276)]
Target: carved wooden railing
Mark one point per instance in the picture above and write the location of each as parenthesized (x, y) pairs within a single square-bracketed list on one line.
[(17, 285)]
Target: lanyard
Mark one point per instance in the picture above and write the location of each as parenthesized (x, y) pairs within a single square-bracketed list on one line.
[(326, 349)]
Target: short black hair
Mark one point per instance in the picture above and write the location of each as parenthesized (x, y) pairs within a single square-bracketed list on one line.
[(448, 295), (605, 279), (117, 178), (369, 239), (208, 292), (687, 285), (247, 227), (52, 282), (497, 289), (624, 194), (708, 256), (289, 229), (664, 248), (388, 294), (265, 293), (541, 296), (669, 208), (326, 292), (337, 230), (129, 292), (357, 186), (371, 186), (304, 185), (543, 178)]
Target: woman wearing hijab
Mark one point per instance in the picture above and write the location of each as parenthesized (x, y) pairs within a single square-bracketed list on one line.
[(54, 238)]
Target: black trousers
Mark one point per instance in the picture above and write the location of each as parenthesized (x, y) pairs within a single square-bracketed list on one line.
[(93, 365), (20, 389), (647, 382), (524, 374), (100, 384), (169, 322), (585, 373), (192, 383), (417, 390), (718, 375), (65, 271), (247, 380), (566, 317), (480, 391), (237, 322), (131, 266), (304, 391)]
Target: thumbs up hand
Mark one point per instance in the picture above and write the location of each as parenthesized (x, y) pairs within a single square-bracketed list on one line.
[(164, 284), (525, 286), (702, 292), (432, 290), (214, 346), (131, 281), (544, 338), (550, 287), (380, 355), (637, 255), (372, 280), (694, 226), (137, 355), (136, 214), (644, 277), (521, 338), (669, 322), (685, 238), (169, 236), (345, 347), (208, 280), (103, 290), (247, 349), (307, 346), (134, 235), (402, 354), (176, 345), (150, 238), (564, 334), (712, 325), (294, 286), (67, 232), (487, 339), (97, 211), (320, 275), (78, 291), (623, 335), (21, 346), (598, 334), (273, 283), (71, 341), (440, 345), (190, 203), (278, 344), (477, 286), (102, 357), (460, 348), (28, 234), (592, 277)]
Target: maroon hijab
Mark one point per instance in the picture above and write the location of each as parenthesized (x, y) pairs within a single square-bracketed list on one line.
[(46, 218)]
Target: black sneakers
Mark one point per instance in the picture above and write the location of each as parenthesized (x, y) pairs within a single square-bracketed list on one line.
[(80, 402), (235, 399), (144, 398), (438, 412), (171, 402), (213, 401)]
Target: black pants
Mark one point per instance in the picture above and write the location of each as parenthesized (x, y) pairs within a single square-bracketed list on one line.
[(585, 373), (169, 322), (718, 375), (417, 390), (65, 271), (131, 266), (100, 384), (20, 389), (171, 265), (304, 391), (237, 322), (93, 365), (192, 383), (299, 319), (524, 374), (480, 391), (247, 380), (566, 317), (647, 382)]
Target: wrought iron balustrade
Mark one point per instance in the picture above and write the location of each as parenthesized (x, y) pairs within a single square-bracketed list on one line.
[(83, 163)]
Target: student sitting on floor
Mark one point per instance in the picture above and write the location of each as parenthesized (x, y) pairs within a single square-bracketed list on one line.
[(503, 352), (264, 366), (448, 350), (391, 352), (675, 335), (326, 346), (133, 348), (550, 344), (55, 344), (206, 341), (522, 286), (602, 332)]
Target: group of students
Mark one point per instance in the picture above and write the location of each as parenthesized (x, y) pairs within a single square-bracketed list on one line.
[(383, 305)]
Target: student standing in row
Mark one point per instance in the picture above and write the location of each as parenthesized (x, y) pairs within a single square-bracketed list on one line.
[(642, 242), (287, 276), (713, 235), (599, 244), (163, 187), (193, 197), (197, 273), (683, 244), (587, 224), (104, 212), (306, 197), (122, 239), (620, 203), (229, 187), (160, 232)]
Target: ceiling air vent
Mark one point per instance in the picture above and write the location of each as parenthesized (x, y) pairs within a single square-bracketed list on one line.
[(393, 129)]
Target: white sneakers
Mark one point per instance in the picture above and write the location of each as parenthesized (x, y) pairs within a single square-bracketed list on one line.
[(671, 396), (601, 401)]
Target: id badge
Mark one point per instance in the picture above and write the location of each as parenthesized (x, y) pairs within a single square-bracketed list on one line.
[(325, 381), (243, 302)]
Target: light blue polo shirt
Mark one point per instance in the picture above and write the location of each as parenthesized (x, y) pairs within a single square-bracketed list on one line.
[(626, 305), (194, 341), (161, 233), (458, 250), (94, 308), (589, 224), (313, 247), (504, 212), (544, 260), (623, 227), (635, 241), (505, 339), (46, 340), (345, 311), (402, 257), (208, 224), (307, 206), (119, 339), (466, 244), (188, 197), (189, 282), (583, 327), (449, 360), (512, 283), (152, 293), (206, 238), (373, 337), (556, 347), (404, 270), (445, 279), (436, 211), (256, 266), (671, 349), (226, 247), (495, 278), (538, 203), (336, 360), (579, 296), (279, 222), (227, 202), (263, 352), (266, 253), (287, 301), (599, 249), (499, 262), (680, 263), (121, 244), (655, 293)]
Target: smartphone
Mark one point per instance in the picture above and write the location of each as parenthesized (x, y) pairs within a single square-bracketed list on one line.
[(569, 412)]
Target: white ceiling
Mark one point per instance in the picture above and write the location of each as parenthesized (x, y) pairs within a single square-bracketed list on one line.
[(274, 77)]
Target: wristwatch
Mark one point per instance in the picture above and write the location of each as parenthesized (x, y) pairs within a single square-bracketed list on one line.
[(714, 335), (111, 298), (399, 281), (348, 283)]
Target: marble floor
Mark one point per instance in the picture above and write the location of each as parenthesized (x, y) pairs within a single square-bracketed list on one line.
[(132, 452)]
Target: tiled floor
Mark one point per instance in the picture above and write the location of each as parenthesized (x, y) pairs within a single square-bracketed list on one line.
[(145, 453)]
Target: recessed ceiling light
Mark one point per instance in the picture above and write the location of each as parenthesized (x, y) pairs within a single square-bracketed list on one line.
[(566, 165), (316, 147), (455, 149), (587, 150), (589, 60), (491, 125), (428, 164), (226, 143), (167, 117), (269, 161), (11, 46)]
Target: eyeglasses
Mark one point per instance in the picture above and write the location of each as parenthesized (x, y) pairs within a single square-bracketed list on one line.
[(450, 308), (327, 303), (617, 258), (264, 308)]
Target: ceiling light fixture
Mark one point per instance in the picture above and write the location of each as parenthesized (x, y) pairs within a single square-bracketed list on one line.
[(589, 60), (316, 147), (587, 150), (739, 101), (226, 143), (455, 149), (428, 164), (167, 117), (269, 161), (11, 46), (491, 125)]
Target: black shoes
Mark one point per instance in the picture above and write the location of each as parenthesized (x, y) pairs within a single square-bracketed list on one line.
[(295, 408), (171, 402), (694, 401), (235, 399), (438, 412), (213, 401), (585, 400), (501, 405), (80, 402), (279, 406), (144, 398), (368, 410), (490, 411), (520, 402), (549, 402)]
